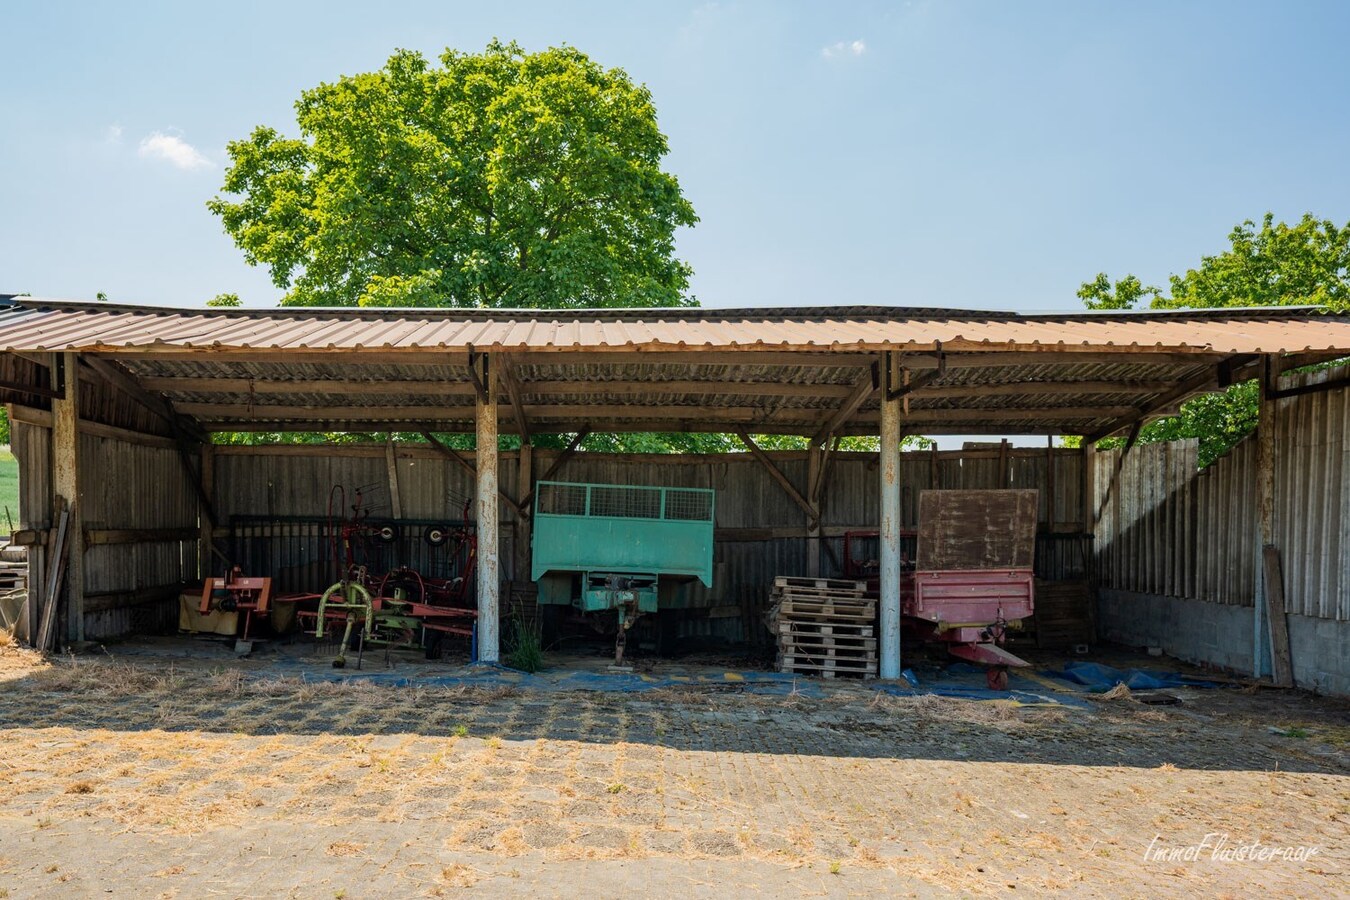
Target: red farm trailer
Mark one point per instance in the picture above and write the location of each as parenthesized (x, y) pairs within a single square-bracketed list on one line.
[(966, 573)]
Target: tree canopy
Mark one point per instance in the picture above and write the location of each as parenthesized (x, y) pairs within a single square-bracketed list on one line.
[(497, 179), (1275, 264)]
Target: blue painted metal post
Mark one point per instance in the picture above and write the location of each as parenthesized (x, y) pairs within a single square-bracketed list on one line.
[(890, 527)]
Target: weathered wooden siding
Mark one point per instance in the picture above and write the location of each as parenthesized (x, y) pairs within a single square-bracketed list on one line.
[(761, 532), (124, 486), (1169, 529)]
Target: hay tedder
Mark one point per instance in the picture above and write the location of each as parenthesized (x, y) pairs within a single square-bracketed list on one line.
[(971, 577), (613, 550)]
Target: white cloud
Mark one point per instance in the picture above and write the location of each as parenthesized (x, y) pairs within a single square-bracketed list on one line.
[(172, 149), (844, 48), (113, 135)]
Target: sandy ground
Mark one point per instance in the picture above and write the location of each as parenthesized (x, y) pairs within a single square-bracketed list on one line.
[(167, 779)]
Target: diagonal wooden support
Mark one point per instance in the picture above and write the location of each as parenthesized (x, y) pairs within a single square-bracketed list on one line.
[(863, 391), (454, 455), (513, 392), (557, 464), (1207, 380), (779, 477)]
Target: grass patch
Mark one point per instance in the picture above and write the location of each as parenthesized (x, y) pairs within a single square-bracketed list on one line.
[(9, 488), (524, 649)]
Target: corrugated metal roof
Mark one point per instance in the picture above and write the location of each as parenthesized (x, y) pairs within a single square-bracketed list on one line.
[(615, 370), (42, 325)]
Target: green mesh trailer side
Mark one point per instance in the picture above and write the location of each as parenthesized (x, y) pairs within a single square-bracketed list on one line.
[(623, 529)]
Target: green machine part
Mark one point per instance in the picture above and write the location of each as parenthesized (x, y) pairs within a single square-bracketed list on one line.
[(607, 546)]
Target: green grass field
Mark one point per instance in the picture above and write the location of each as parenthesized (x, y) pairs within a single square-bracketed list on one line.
[(9, 489)]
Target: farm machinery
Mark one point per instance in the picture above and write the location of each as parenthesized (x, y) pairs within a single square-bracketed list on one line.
[(610, 552), (401, 607), (970, 578)]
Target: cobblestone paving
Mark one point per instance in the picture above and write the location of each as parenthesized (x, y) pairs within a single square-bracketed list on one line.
[(151, 780)]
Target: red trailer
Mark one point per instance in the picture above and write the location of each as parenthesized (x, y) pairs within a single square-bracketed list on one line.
[(966, 573)]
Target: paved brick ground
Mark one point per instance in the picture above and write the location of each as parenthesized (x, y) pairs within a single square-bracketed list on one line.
[(177, 781)]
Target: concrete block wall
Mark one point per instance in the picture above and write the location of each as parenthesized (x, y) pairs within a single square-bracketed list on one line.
[(1190, 630), (1320, 649), (1219, 634)]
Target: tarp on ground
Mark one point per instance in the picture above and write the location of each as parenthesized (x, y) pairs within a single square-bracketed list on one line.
[(1098, 678)]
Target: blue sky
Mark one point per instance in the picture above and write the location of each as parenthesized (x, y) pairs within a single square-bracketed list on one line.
[(970, 154)]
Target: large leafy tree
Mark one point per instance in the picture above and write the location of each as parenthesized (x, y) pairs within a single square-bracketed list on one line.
[(495, 179), (1273, 264)]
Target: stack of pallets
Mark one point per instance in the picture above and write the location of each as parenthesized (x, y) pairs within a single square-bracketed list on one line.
[(825, 627)]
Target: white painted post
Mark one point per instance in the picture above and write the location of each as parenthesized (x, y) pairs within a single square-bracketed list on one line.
[(489, 562), (66, 483), (890, 529)]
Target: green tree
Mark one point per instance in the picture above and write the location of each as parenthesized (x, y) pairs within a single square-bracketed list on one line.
[(496, 179), (226, 300), (1275, 264), (1124, 294)]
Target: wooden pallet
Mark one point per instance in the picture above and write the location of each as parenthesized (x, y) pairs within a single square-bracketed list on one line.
[(795, 609), (816, 629), (793, 583), (828, 668)]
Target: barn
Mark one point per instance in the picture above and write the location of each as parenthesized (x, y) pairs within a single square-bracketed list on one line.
[(128, 494)]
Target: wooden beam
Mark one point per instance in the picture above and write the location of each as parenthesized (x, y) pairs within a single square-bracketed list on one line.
[(391, 470), (307, 355), (750, 416), (42, 418), (124, 381), (416, 387), (813, 517), (98, 537), (1207, 380), (486, 505), (865, 388), (1038, 389), (512, 385), (31, 389), (1273, 582), (1308, 358), (1059, 356)]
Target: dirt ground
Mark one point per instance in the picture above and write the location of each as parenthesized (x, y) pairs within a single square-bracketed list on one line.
[(164, 778)]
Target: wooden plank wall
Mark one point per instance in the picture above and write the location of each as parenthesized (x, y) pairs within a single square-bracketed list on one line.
[(127, 486), (760, 531), (1172, 530)]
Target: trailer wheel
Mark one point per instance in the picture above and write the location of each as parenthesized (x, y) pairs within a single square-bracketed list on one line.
[(996, 677)]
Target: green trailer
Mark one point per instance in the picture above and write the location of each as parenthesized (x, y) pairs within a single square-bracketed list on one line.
[(603, 547)]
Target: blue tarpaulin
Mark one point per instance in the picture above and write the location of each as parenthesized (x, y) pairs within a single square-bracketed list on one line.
[(1099, 678)]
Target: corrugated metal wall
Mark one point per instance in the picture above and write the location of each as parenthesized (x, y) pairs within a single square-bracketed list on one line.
[(1172, 530), (1167, 528), (1312, 497)]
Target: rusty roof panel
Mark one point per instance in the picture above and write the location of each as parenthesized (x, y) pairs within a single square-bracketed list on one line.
[(37, 325)]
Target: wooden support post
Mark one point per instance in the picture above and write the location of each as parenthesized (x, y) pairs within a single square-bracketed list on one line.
[(1269, 595), (813, 466), (205, 561), (66, 484), (524, 522), (485, 416), (890, 526), (391, 469)]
